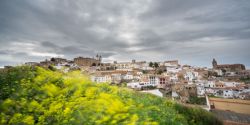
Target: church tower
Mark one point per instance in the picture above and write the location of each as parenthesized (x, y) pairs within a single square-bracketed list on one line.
[(99, 57), (214, 63)]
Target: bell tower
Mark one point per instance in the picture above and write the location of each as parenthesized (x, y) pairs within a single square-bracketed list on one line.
[(98, 57), (214, 63)]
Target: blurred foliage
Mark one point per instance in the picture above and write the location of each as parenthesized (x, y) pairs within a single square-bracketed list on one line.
[(197, 100), (153, 64), (148, 87), (245, 80), (38, 96), (197, 116), (10, 79)]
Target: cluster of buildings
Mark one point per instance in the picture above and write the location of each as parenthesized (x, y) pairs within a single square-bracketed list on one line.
[(178, 81), (171, 78), (77, 63)]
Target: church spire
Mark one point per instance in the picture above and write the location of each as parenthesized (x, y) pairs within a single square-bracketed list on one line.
[(214, 63)]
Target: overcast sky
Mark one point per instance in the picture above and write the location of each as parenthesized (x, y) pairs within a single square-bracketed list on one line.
[(193, 31)]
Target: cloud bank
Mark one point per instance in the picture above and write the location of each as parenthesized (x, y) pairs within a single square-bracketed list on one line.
[(192, 31)]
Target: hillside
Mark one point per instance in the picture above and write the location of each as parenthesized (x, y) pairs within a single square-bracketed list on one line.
[(38, 96)]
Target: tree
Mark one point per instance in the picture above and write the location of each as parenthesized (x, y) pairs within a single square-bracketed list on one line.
[(156, 65), (10, 79), (224, 71), (93, 64), (159, 72), (151, 64), (50, 67), (144, 71), (53, 59)]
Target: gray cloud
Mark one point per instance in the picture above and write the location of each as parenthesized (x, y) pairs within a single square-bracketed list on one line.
[(193, 31)]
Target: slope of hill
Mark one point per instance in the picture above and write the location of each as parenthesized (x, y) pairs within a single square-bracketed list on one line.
[(38, 96)]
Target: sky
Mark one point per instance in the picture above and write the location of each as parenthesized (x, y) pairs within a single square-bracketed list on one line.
[(192, 31)]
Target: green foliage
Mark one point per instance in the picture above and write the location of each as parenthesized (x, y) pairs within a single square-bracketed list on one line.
[(148, 87), (49, 97), (144, 71), (197, 100), (50, 67), (159, 72), (151, 64), (245, 80), (197, 116), (10, 79), (156, 65)]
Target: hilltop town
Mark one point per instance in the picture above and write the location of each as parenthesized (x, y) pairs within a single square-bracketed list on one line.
[(169, 78), (224, 89)]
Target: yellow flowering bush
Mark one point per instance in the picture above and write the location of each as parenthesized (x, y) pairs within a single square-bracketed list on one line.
[(50, 97)]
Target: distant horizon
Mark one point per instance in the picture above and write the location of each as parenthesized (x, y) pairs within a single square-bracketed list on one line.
[(111, 61)]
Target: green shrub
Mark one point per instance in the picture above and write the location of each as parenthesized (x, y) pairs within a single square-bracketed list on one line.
[(197, 116), (197, 100)]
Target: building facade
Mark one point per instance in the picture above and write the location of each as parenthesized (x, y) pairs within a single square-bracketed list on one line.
[(228, 67), (82, 61)]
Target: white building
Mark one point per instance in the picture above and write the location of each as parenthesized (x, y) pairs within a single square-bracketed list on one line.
[(153, 80), (190, 75), (228, 93), (101, 79), (134, 85), (231, 84), (173, 77), (210, 91), (146, 66), (210, 84), (128, 76), (171, 63), (129, 66), (173, 69), (219, 72), (116, 77), (200, 89), (138, 85)]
